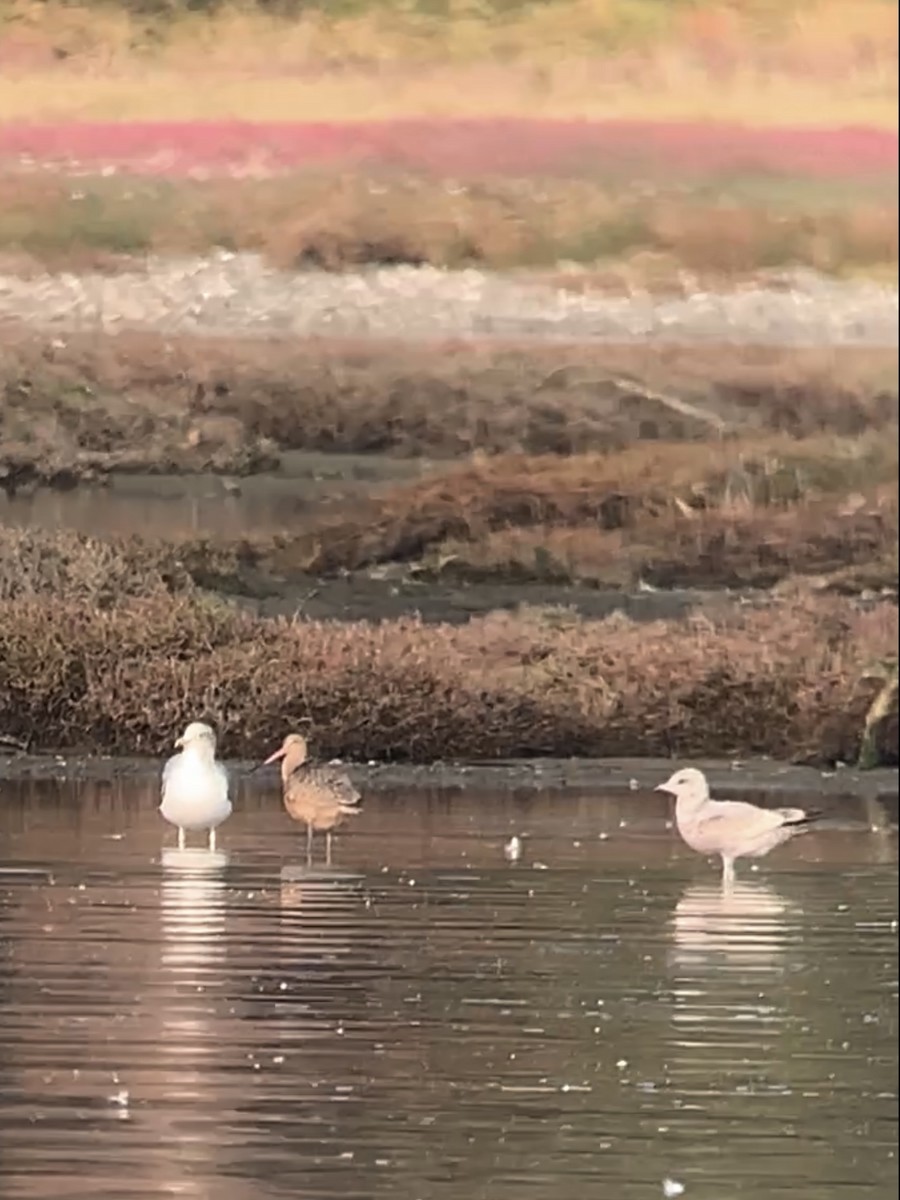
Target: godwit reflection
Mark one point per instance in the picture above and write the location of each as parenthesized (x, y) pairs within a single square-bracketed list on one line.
[(319, 911), (325, 950)]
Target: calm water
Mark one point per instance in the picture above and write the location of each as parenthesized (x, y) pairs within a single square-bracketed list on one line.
[(202, 505), (428, 1020)]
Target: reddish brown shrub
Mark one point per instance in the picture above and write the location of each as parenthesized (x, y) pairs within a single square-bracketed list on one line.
[(783, 679)]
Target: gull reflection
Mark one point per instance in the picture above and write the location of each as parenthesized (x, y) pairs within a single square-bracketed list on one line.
[(744, 922), (731, 994), (197, 1032), (193, 910)]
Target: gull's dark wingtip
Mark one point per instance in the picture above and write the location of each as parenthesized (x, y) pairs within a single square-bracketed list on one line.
[(810, 816)]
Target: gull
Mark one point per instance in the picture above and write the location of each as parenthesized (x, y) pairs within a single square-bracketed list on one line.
[(730, 828), (195, 785), (320, 797)]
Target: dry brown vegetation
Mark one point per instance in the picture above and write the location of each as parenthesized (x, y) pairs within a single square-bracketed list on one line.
[(832, 549), (792, 679), (338, 219), (82, 406), (737, 514), (616, 466), (92, 571), (709, 513), (611, 466)]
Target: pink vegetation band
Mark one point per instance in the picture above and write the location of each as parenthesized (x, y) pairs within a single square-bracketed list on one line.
[(453, 147)]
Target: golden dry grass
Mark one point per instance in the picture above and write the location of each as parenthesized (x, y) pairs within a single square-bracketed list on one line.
[(793, 679), (337, 219), (819, 61)]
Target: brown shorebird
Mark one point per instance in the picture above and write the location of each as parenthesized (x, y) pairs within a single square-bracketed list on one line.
[(321, 797), (730, 828)]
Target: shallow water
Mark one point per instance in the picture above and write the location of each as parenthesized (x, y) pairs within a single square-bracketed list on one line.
[(426, 1019), (206, 505)]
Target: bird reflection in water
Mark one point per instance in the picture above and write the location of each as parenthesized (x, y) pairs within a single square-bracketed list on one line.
[(742, 921), (325, 939), (731, 995), (193, 948), (320, 907), (193, 910), (197, 1049)]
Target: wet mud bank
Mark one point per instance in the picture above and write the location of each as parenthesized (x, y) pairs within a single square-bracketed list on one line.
[(655, 530), (839, 793)]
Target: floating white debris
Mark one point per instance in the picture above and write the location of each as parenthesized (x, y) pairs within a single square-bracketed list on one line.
[(672, 1188), (512, 851)]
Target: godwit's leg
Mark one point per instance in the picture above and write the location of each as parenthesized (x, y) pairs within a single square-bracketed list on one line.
[(309, 845), (328, 848), (180, 838), (727, 872), (212, 839)]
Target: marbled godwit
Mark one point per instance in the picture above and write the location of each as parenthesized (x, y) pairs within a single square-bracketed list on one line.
[(195, 786), (730, 828), (320, 797)]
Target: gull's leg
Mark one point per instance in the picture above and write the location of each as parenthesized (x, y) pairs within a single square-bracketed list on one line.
[(212, 839), (180, 838), (727, 872), (328, 848), (309, 845)]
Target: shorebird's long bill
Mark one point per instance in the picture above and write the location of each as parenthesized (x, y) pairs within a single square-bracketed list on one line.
[(272, 758)]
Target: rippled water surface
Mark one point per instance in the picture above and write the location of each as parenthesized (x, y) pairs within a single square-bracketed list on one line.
[(426, 1019)]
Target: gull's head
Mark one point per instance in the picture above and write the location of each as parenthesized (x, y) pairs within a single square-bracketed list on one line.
[(688, 785), (197, 735), (294, 748)]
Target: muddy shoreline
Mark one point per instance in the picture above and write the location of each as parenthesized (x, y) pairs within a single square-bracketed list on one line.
[(733, 780), (843, 795)]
